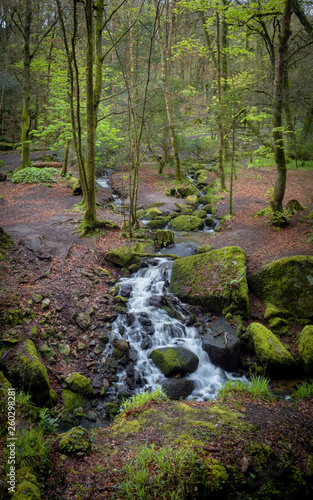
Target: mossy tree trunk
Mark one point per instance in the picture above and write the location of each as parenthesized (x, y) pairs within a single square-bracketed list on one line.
[(280, 185), (219, 91), (166, 47), (25, 138), (89, 222)]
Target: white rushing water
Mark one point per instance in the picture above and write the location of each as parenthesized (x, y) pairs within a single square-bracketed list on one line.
[(147, 326)]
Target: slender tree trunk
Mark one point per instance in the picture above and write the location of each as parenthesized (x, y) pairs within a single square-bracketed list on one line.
[(280, 185), (166, 47), (65, 157), (90, 217), (25, 139), (99, 7), (44, 142), (219, 91)]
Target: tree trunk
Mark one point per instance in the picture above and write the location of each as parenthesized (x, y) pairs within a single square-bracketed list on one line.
[(89, 222), (65, 158), (280, 185), (219, 91), (25, 139)]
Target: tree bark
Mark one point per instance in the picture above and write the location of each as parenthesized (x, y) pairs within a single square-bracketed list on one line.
[(280, 185), (89, 222), (219, 91), (25, 139)]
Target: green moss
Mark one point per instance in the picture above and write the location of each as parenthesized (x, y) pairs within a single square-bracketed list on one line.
[(305, 345), (273, 311), (152, 213), (205, 248), (72, 400), (164, 238), (14, 317), (27, 485), (186, 223), (80, 384), (200, 213), (192, 200), (76, 442), (287, 283), (271, 353), (174, 360), (5, 240), (158, 223), (214, 279), (279, 326)]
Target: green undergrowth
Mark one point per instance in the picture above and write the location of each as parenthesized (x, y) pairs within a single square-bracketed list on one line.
[(258, 387), (33, 175), (141, 399), (170, 473), (303, 391)]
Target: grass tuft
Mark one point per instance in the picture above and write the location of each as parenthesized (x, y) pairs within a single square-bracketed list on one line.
[(141, 399)]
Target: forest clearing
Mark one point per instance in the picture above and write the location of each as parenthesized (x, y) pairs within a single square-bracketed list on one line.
[(156, 258)]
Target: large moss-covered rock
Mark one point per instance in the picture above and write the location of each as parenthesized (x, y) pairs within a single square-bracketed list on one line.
[(25, 370), (158, 222), (164, 238), (183, 191), (127, 255), (271, 353), (76, 441), (287, 283), (152, 213), (215, 279), (186, 223), (174, 360), (305, 345), (80, 384)]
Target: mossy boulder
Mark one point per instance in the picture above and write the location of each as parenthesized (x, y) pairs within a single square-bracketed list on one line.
[(215, 279), (27, 485), (192, 200), (305, 346), (74, 184), (152, 213), (271, 353), (158, 222), (293, 206), (72, 400), (205, 178), (186, 223), (173, 361), (127, 255), (25, 370), (76, 441), (164, 238), (200, 213), (287, 283), (79, 383), (183, 191)]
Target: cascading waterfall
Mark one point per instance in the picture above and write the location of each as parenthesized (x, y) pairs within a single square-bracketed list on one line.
[(146, 325)]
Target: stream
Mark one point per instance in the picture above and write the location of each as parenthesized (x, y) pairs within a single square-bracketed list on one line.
[(147, 325)]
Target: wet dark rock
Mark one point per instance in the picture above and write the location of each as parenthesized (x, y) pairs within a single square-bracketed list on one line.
[(146, 343), (177, 389), (144, 320), (125, 290), (222, 345)]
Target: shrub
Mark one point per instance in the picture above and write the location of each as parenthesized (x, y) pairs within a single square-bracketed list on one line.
[(34, 175), (303, 391)]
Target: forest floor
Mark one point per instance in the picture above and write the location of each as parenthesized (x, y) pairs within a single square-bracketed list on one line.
[(49, 258)]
